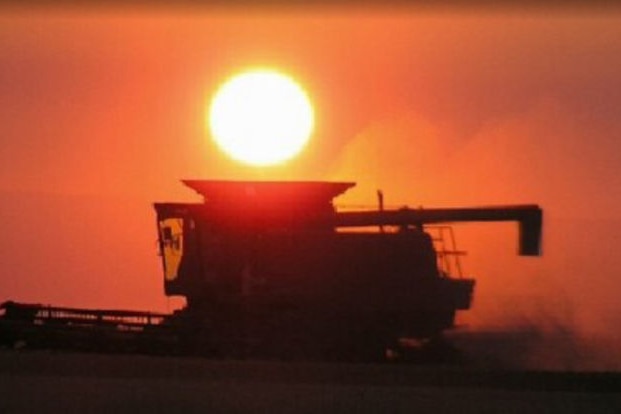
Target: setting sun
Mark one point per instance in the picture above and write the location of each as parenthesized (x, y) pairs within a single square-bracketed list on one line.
[(261, 117)]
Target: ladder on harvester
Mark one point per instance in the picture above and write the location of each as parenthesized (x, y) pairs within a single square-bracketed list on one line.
[(448, 257)]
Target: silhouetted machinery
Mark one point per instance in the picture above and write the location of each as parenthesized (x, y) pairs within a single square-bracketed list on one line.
[(272, 269)]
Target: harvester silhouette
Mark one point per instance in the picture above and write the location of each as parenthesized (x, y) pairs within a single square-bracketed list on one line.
[(274, 270)]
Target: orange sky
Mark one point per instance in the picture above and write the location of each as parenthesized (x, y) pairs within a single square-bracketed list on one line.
[(101, 112)]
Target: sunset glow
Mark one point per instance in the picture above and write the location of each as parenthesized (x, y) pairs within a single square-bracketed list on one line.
[(261, 117), (103, 113)]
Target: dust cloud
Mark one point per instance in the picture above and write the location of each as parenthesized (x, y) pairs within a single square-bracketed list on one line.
[(559, 311)]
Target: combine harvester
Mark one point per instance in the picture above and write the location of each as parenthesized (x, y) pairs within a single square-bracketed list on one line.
[(273, 270)]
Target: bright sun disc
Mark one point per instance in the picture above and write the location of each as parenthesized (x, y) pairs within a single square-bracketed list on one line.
[(261, 117)]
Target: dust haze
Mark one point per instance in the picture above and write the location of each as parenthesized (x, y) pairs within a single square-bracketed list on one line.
[(559, 310)]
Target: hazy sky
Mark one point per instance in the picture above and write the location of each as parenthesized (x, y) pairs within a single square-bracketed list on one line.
[(102, 112)]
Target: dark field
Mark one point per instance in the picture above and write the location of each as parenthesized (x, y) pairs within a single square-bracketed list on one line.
[(44, 381)]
